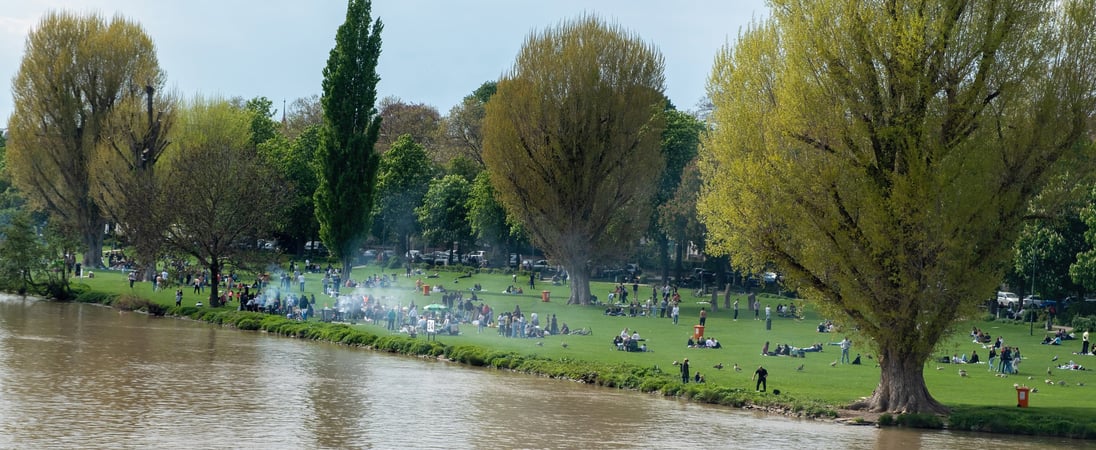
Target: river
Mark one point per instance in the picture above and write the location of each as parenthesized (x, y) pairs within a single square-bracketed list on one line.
[(85, 376)]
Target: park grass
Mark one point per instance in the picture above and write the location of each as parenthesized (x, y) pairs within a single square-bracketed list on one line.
[(979, 401)]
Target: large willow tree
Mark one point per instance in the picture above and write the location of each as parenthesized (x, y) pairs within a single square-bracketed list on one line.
[(571, 141), (76, 72), (884, 153)]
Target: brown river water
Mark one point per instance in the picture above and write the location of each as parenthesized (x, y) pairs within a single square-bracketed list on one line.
[(84, 376)]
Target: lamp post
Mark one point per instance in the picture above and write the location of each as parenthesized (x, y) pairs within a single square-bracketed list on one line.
[(1031, 321)]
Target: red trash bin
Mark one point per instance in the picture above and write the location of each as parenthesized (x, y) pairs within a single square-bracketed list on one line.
[(544, 296), (426, 289), (698, 332), (1023, 393)]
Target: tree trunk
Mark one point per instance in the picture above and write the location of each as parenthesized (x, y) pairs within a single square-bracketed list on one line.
[(901, 386), (214, 283), (679, 250), (580, 286), (664, 255), (93, 243)]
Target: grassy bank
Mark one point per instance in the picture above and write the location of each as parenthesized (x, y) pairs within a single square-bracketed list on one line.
[(980, 401)]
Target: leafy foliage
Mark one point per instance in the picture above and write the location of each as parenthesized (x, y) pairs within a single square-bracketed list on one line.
[(216, 216), (884, 157), (402, 181), (444, 210), (76, 71), (567, 133), (348, 164)]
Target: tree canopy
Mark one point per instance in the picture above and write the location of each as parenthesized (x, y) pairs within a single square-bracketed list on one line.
[(76, 71), (217, 193), (883, 156), (348, 164), (569, 135), (402, 181)]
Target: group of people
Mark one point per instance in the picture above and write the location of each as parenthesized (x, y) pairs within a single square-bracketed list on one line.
[(1004, 359), (709, 342), (629, 342)]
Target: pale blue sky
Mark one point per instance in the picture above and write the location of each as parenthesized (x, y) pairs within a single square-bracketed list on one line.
[(433, 52)]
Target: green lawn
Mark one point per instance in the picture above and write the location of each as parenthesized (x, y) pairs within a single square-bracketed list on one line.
[(742, 342)]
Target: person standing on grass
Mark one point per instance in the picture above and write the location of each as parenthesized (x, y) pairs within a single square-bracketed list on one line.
[(761, 375), (674, 312), (1084, 341), (846, 344), (735, 310), (703, 316), (754, 305), (685, 371), (178, 297)]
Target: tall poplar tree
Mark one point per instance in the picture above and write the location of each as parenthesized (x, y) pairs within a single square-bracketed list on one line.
[(571, 138), (884, 154), (348, 164)]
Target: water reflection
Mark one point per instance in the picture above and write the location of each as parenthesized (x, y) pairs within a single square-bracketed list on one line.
[(84, 376)]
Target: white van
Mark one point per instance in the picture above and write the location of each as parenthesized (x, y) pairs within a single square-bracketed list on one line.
[(1007, 298)]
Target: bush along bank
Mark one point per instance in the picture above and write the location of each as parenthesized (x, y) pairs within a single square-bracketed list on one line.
[(651, 379)]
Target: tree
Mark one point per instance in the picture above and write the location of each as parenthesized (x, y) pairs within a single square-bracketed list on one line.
[(677, 216), (214, 216), (23, 256), (399, 118), (464, 126), (883, 156), (568, 136), (75, 71), (122, 170), (303, 113), (402, 181), (296, 162), (488, 220), (263, 127), (444, 213), (680, 141), (348, 164)]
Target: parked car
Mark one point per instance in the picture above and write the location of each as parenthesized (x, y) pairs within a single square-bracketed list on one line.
[(1033, 301), (1007, 299), (476, 258), (315, 247)]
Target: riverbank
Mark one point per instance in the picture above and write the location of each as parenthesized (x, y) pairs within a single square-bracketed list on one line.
[(818, 391)]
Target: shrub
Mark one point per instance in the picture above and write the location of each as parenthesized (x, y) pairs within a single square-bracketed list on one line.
[(130, 302), (919, 420), (1081, 324), (94, 297), (248, 324)]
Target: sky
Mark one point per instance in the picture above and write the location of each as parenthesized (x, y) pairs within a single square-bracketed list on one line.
[(433, 51)]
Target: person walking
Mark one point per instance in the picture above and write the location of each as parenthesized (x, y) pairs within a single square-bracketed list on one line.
[(755, 306), (178, 297), (685, 370), (761, 375), (846, 344), (735, 310)]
